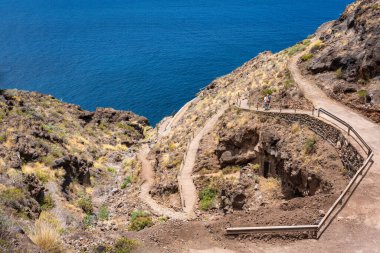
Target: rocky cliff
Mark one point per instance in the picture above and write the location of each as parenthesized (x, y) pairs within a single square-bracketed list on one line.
[(344, 59)]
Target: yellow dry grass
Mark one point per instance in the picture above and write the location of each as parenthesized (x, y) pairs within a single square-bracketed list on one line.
[(40, 170), (118, 147), (46, 236), (270, 187)]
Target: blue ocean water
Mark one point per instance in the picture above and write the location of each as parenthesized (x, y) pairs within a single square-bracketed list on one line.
[(146, 56)]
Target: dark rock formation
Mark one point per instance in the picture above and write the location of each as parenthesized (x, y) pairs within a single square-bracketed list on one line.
[(237, 148), (352, 44), (29, 149), (75, 168), (35, 188)]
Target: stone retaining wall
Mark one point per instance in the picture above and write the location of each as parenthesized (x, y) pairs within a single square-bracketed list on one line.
[(350, 157)]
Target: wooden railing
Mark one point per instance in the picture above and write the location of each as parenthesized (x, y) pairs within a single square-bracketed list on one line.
[(318, 229)]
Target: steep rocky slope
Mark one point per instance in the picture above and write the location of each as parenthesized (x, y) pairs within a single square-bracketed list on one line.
[(53, 156), (344, 58), (76, 175)]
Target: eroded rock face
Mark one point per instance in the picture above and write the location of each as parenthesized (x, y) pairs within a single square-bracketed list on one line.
[(29, 149), (352, 43), (232, 197), (35, 188), (164, 189), (237, 148), (75, 168), (112, 116)]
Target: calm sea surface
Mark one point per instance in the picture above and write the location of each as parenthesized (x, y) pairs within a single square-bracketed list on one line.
[(148, 56)]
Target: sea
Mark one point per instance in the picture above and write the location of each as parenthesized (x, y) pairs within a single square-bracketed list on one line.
[(146, 56)]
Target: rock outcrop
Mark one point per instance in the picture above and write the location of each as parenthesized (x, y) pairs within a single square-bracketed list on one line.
[(352, 43)]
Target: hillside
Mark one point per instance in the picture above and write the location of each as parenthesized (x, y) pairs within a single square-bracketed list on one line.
[(72, 180)]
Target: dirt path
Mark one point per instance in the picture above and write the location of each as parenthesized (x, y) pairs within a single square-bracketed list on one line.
[(185, 180), (357, 226), (147, 174)]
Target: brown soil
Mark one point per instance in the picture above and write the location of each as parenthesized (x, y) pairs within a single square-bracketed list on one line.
[(266, 203)]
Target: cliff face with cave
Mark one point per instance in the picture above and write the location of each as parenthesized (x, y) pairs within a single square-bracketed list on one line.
[(268, 158)]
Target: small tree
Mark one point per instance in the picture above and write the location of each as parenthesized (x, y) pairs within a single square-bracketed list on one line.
[(362, 94)]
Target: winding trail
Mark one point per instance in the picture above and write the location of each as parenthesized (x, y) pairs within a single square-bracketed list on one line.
[(147, 174), (357, 226), (188, 192)]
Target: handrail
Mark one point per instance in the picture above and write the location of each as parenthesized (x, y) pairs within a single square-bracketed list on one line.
[(344, 193), (242, 230), (350, 128), (320, 227)]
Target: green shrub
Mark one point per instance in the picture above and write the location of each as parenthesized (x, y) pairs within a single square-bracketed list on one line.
[(103, 213), (12, 194), (111, 170), (85, 203), (47, 127), (310, 145), (288, 83), (127, 181), (162, 218), (255, 167), (339, 73), (307, 57), (306, 42), (3, 138), (88, 220), (230, 169), (47, 202), (268, 91), (207, 198), (122, 245), (295, 49), (140, 220), (362, 93)]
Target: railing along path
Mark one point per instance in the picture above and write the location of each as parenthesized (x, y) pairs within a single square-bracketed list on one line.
[(318, 229)]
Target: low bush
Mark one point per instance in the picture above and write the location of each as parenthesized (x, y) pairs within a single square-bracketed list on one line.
[(230, 169), (47, 202), (362, 95), (306, 57), (207, 198), (11, 194), (339, 73), (140, 220), (295, 49), (122, 245), (3, 138), (103, 213), (127, 181), (111, 170), (255, 167), (310, 145), (85, 203), (268, 91), (306, 42), (88, 220), (288, 84)]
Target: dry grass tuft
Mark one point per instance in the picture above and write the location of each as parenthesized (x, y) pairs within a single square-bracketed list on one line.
[(40, 170), (46, 237), (271, 187)]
